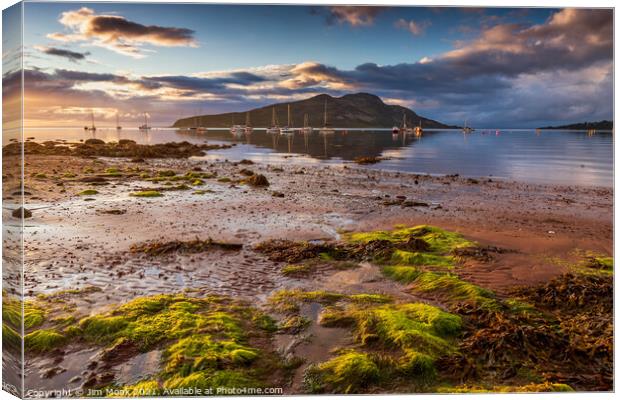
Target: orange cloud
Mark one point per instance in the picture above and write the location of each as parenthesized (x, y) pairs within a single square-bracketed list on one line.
[(118, 34)]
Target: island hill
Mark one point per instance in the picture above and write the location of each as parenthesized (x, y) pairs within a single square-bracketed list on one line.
[(584, 126), (360, 110)]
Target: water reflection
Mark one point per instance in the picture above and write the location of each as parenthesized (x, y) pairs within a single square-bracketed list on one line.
[(562, 157)]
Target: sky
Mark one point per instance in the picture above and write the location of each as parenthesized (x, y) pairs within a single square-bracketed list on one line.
[(495, 67)]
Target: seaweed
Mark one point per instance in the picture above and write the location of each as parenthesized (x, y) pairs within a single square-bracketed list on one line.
[(346, 373), (155, 248)]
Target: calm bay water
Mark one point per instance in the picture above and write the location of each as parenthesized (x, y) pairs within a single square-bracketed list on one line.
[(553, 157)]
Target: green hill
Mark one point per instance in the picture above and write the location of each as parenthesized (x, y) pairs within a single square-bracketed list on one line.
[(360, 110)]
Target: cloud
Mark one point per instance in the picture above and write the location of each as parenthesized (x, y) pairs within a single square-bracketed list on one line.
[(416, 28), (73, 56), (118, 34), (509, 75), (353, 15)]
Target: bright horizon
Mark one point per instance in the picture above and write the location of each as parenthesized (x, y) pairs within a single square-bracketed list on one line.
[(496, 67)]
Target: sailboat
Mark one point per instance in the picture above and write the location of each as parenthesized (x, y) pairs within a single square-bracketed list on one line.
[(418, 129), (236, 129), (199, 127), (118, 125), (467, 129), (274, 128), (307, 128), (92, 127), (288, 128), (248, 124), (404, 128), (326, 129), (145, 126)]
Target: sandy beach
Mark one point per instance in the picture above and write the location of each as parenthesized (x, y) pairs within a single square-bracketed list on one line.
[(86, 231)]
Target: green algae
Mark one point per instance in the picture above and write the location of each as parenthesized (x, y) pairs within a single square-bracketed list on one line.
[(414, 326), (439, 240), (421, 259), (453, 290), (146, 193), (346, 373), (11, 310), (369, 298), (112, 172), (33, 315), (205, 341), (402, 273), (292, 270), (43, 340), (402, 340), (88, 192), (10, 338)]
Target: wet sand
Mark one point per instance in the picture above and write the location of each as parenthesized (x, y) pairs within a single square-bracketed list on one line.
[(74, 242)]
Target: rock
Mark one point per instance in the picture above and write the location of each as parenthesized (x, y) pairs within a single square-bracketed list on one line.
[(258, 180), (52, 372), (94, 142), (122, 350), (17, 213), (93, 179)]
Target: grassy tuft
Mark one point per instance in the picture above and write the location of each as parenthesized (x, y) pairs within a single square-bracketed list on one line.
[(146, 193)]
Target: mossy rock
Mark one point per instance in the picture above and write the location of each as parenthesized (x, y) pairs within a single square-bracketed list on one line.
[(88, 192), (147, 193)]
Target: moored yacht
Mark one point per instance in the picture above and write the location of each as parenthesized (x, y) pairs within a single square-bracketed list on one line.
[(145, 126), (418, 129), (467, 129), (274, 128), (248, 125), (326, 129), (92, 127), (288, 129), (405, 129), (307, 128)]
